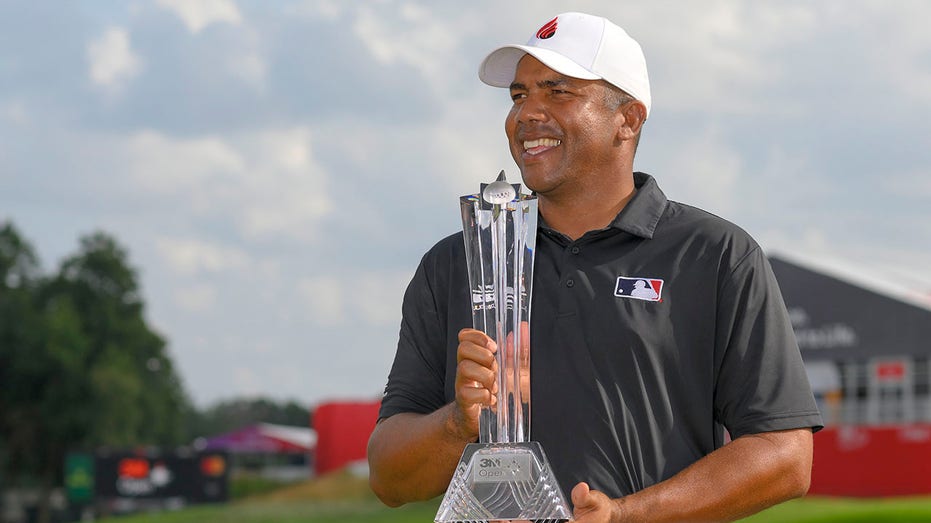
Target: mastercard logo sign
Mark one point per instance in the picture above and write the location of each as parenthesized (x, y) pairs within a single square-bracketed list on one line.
[(212, 466), (133, 468)]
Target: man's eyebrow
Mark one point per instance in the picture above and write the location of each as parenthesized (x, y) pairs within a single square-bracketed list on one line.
[(552, 83), (543, 84)]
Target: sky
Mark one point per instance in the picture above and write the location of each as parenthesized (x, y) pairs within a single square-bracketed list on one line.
[(276, 170)]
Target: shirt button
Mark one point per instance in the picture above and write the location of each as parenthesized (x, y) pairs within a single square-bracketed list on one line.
[(570, 282), (575, 249)]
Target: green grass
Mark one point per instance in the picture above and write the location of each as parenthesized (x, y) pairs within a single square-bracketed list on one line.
[(346, 499), (245, 486), (844, 510), (292, 512), (809, 510), (339, 497)]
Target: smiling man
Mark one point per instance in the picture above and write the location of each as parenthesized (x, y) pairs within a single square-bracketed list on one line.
[(658, 329)]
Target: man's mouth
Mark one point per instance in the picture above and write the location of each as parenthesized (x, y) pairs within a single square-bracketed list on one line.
[(534, 147)]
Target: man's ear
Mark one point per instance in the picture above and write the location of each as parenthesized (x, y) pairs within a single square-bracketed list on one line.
[(634, 113)]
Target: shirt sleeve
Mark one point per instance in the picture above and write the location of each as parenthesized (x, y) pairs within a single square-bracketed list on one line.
[(761, 384), (416, 380)]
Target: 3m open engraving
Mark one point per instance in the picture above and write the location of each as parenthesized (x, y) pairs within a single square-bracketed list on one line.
[(502, 467)]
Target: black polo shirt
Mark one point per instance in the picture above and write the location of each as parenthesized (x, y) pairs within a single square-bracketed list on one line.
[(648, 338)]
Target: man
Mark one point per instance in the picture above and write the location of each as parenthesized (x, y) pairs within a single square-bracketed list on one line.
[(631, 395)]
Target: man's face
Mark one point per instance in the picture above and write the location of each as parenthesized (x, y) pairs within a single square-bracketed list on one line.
[(559, 128)]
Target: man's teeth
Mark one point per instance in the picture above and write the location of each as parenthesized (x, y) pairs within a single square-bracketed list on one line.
[(542, 142)]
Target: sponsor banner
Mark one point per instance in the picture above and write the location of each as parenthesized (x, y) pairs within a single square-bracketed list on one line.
[(196, 478)]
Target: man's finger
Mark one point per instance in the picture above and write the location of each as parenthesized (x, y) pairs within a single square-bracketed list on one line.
[(475, 396), (476, 337), (471, 373), (581, 495), (477, 353)]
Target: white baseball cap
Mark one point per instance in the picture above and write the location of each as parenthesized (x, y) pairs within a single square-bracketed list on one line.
[(577, 45)]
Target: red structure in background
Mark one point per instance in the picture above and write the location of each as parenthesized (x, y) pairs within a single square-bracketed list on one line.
[(872, 461), (343, 430)]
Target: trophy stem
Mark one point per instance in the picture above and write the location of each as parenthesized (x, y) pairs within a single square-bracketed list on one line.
[(502, 291), (520, 320)]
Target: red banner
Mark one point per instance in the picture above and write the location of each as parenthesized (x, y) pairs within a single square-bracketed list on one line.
[(872, 461), (343, 430)]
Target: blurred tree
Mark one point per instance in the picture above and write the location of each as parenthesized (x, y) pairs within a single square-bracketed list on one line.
[(79, 365), (20, 331), (137, 396), (19, 264)]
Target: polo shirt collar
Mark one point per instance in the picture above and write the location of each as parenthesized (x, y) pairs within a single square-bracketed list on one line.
[(643, 212)]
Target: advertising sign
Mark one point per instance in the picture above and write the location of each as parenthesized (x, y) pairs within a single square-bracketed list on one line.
[(79, 477), (195, 478)]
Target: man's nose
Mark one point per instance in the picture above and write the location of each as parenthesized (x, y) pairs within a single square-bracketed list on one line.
[(532, 109)]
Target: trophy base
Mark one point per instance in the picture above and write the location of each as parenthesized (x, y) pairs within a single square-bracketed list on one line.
[(503, 481)]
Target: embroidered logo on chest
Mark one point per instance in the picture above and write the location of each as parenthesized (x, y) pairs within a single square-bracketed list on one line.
[(648, 289)]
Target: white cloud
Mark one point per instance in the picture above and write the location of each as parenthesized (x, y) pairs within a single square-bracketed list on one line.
[(903, 45), (284, 191), (267, 181), (112, 62), (703, 171), (163, 164), (200, 14), (372, 298), (247, 382), (455, 151), (379, 296), (486, 151), (427, 42), (914, 184), (199, 297), (324, 297), (247, 60), (250, 67), (325, 9), (15, 113), (719, 55), (810, 239), (190, 256)]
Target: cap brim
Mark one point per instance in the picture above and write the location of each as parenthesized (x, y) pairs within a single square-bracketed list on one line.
[(500, 66)]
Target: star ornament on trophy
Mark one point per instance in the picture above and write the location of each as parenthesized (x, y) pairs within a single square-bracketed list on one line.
[(504, 476)]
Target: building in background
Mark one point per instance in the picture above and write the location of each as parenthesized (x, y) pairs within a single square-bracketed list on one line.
[(866, 341)]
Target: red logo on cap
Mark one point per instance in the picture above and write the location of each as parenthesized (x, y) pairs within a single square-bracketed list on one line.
[(548, 30)]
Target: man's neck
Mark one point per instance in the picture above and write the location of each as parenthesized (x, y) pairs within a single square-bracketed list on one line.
[(590, 211)]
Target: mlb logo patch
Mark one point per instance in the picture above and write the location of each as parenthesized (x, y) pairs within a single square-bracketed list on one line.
[(648, 289)]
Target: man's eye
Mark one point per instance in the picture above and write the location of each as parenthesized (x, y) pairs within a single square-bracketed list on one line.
[(517, 96)]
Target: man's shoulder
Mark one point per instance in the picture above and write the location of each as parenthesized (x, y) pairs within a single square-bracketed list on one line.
[(445, 257), (448, 249), (684, 215), (688, 223)]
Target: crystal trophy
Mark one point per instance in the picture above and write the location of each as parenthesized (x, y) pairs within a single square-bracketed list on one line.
[(504, 476)]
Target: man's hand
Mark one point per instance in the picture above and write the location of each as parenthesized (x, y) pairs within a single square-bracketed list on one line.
[(749, 474), (476, 380), (592, 506)]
